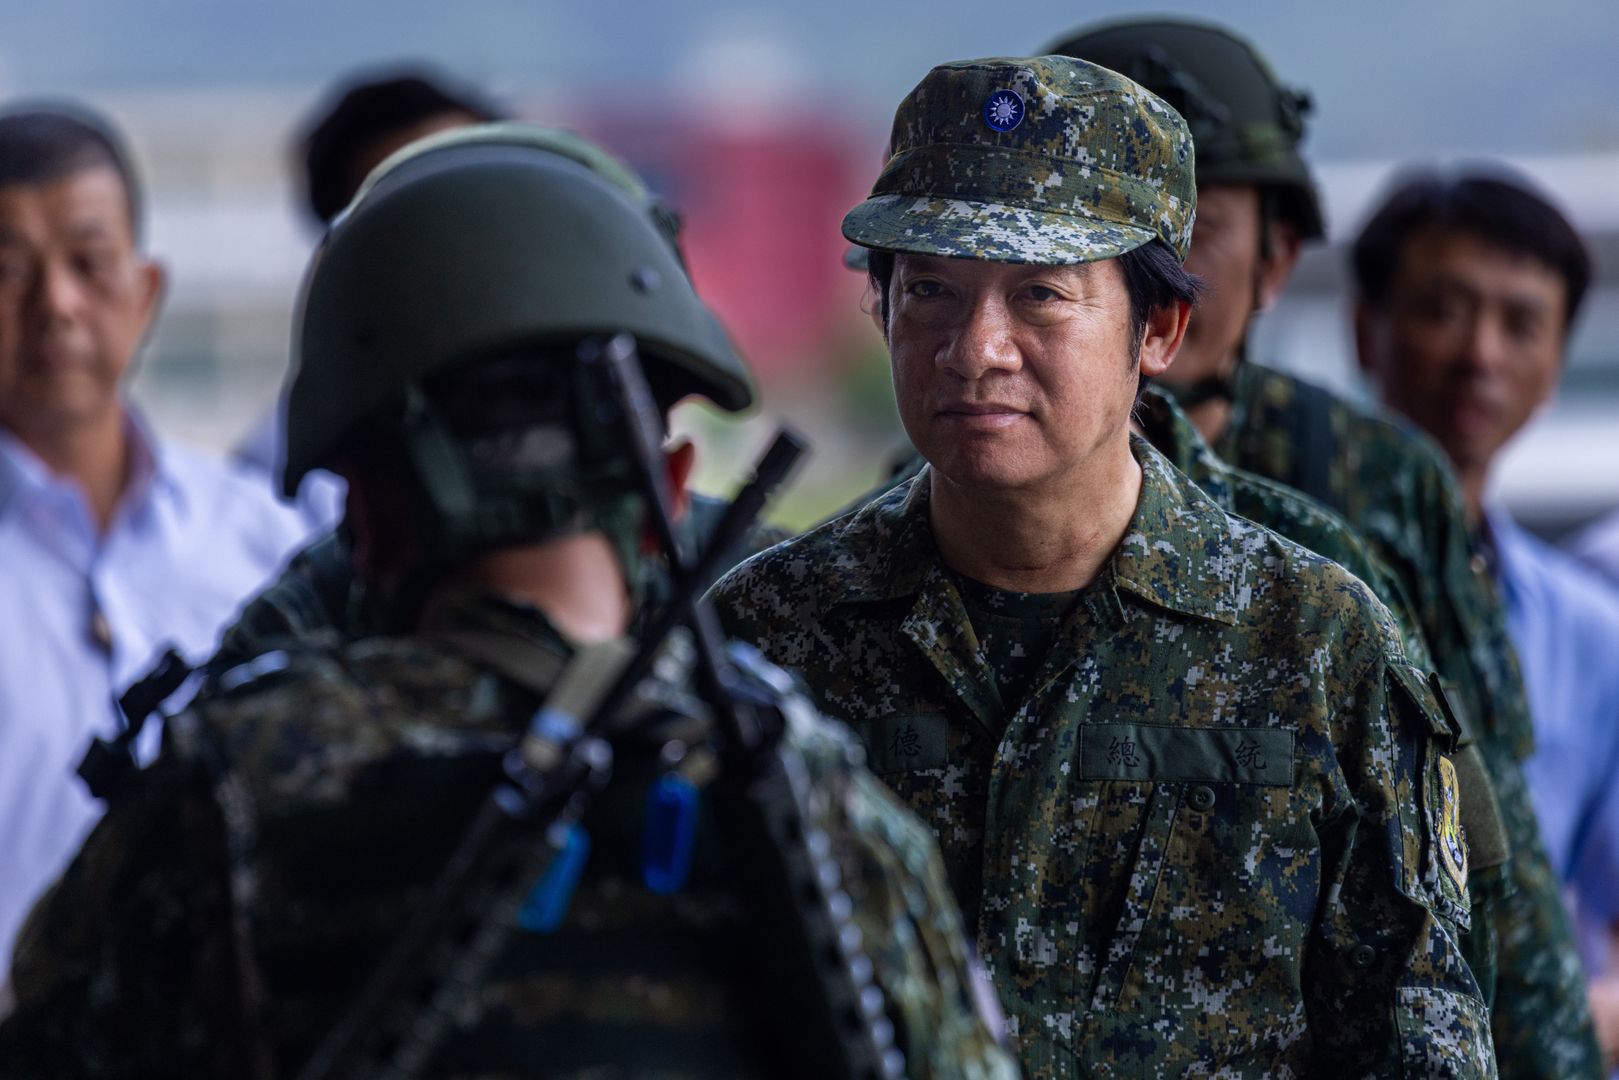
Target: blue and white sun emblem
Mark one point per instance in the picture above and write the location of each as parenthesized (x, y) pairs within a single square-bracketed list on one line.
[(1004, 110)]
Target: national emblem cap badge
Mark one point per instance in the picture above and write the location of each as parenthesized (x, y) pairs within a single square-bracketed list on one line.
[(1003, 110)]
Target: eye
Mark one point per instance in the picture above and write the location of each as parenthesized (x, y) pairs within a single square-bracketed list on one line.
[(1041, 294), (1524, 325), (13, 266), (924, 288), (93, 263)]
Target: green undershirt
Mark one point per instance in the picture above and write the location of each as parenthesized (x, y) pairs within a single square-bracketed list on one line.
[(1015, 632)]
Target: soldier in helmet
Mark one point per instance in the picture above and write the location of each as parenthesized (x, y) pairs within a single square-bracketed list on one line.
[(497, 837), (320, 592), (1256, 206), (1193, 798)]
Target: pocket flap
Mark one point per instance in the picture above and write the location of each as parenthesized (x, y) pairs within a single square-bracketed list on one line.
[(1238, 755)]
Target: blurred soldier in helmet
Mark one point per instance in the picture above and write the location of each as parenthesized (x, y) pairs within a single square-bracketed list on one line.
[(358, 124), (320, 591), (1256, 206), (1151, 737), (498, 836)]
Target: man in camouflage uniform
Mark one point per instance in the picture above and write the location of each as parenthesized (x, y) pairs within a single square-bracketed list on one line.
[(1191, 794), (243, 890), (1257, 204)]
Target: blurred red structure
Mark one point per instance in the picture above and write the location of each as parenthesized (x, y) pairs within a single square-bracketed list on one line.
[(761, 204)]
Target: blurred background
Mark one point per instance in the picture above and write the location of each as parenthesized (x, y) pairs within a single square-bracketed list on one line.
[(762, 124)]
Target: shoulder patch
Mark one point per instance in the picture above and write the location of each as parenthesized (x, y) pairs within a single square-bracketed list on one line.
[(1448, 826)]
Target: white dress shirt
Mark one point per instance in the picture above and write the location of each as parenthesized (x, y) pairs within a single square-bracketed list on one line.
[(84, 615)]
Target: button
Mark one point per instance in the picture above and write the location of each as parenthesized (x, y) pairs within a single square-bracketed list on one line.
[(100, 631), (1202, 798), (1480, 564), (1363, 956)]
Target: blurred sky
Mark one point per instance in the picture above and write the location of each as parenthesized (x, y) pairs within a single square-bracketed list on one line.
[(1391, 79)]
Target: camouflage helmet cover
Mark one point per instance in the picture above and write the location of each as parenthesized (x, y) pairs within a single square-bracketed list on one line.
[(1044, 160), (1246, 123), (471, 247)]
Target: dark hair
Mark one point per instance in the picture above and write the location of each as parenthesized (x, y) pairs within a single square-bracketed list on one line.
[(1153, 278), (1496, 207), (369, 109), (40, 144)]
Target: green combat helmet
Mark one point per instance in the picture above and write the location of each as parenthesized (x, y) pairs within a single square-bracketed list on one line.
[(466, 251), (1247, 124), (1047, 160)]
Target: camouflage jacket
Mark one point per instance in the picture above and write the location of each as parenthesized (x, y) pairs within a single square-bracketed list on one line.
[(1304, 521), (184, 942), (1212, 842), (1394, 488)]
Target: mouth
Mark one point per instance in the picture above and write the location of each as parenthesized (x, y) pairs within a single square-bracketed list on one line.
[(980, 416)]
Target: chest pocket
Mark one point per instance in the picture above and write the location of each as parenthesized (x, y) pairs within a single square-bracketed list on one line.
[(1204, 873)]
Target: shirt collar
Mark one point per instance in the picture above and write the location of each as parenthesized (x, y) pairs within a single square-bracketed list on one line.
[(1179, 551), (151, 468)]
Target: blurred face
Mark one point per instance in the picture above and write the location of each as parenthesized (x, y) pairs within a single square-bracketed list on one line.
[(1013, 376), (1470, 343), (75, 300), (1225, 254), (378, 150)]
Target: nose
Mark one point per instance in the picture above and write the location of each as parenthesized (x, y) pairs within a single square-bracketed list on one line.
[(1485, 345), (984, 342), (58, 293)]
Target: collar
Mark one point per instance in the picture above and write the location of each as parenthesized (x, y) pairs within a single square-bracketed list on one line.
[(151, 468), (1171, 432), (1179, 552)]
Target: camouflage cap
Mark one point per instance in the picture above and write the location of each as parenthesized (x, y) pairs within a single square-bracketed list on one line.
[(1043, 160)]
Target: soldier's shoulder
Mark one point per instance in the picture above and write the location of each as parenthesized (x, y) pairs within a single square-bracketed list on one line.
[(1389, 445), (808, 572), (1299, 589), (325, 708)]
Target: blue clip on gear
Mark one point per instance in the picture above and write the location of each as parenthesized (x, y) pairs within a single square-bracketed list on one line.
[(669, 835), (547, 903)]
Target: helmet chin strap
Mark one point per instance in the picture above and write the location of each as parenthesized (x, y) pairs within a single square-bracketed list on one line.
[(462, 508)]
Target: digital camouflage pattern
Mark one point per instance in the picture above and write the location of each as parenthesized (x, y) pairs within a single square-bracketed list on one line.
[(1092, 167), (1206, 843), (1394, 488), (1306, 522), (353, 771)]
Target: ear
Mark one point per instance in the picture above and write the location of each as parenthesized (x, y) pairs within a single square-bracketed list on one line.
[(152, 280), (1274, 271), (871, 303), (1162, 337), (679, 459)]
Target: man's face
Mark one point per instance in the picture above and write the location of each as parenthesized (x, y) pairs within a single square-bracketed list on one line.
[(371, 154), (1010, 376), (1470, 342), (1225, 253), (75, 300)]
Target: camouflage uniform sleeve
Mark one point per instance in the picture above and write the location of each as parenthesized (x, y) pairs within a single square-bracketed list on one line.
[(945, 1019), (127, 963), (311, 595), (1392, 994)]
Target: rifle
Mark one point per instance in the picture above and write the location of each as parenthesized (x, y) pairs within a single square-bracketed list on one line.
[(527, 830)]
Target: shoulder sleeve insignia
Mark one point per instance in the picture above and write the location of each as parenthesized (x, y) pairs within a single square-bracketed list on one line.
[(1452, 842)]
